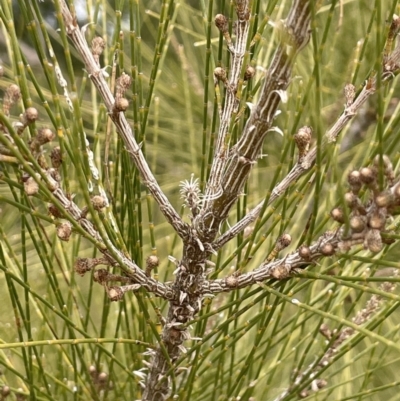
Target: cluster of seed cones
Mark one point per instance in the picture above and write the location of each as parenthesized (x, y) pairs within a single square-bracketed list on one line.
[(372, 201)]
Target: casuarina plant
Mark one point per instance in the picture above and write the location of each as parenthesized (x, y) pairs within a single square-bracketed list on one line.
[(199, 200)]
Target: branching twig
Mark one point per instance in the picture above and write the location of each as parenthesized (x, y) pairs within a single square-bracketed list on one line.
[(96, 74), (304, 165), (367, 223), (295, 34), (231, 105)]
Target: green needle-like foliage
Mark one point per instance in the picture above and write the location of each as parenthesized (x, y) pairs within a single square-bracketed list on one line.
[(74, 200)]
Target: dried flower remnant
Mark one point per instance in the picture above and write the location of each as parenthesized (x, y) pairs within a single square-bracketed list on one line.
[(64, 231), (56, 157), (349, 93), (43, 136), (98, 202), (191, 194), (54, 211), (31, 186), (122, 84), (283, 242), (84, 265), (98, 46), (11, 97)]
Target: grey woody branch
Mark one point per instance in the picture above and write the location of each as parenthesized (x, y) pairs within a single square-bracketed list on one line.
[(113, 256), (236, 167), (278, 269), (238, 50), (115, 110), (369, 226)]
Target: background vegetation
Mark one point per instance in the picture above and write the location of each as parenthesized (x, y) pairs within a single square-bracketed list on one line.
[(255, 340)]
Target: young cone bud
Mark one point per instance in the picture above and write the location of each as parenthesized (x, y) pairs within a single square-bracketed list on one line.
[(337, 215), (152, 262), (93, 371), (327, 249), (43, 136), (384, 199), (367, 175), (121, 104), (30, 116), (102, 378), (351, 199), (231, 281), (249, 73), (283, 241), (377, 220), (220, 74), (305, 252), (221, 22), (357, 224), (354, 180), (5, 391), (280, 272), (396, 192), (115, 293)]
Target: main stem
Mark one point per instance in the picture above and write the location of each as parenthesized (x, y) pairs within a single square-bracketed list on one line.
[(227, 178)]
